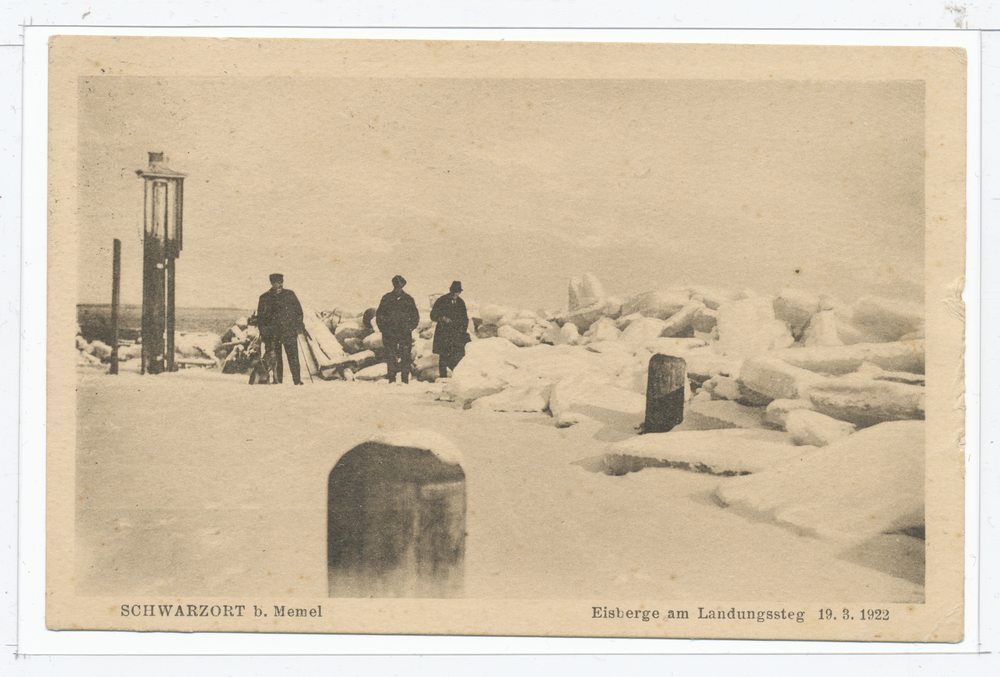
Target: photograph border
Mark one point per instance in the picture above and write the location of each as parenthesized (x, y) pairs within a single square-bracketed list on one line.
[(687, 37)]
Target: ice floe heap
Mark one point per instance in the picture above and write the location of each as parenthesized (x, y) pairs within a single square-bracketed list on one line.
[(796, 361), (190, 349), (789, 395)]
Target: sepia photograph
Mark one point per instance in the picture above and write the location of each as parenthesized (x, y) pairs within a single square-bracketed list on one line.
[(568, 339)]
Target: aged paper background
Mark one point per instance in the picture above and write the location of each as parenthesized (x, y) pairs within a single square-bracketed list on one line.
[(205, 70)]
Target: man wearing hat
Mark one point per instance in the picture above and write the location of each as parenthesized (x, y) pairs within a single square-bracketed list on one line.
[(279, 318), (452, 331), (397, 317)]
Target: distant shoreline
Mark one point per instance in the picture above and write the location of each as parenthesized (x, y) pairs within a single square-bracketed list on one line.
[(95, 320)]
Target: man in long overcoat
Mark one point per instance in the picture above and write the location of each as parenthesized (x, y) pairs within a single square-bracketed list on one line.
[(279, 318), (451, 333), (397, 317)]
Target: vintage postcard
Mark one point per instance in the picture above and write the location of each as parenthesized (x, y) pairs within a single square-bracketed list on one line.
[(559, 339)]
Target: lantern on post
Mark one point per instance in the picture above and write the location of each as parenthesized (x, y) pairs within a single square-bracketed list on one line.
[(162, 240)]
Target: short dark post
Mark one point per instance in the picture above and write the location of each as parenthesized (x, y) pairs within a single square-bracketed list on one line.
[(395, 524), (665, 393), (116, 280)]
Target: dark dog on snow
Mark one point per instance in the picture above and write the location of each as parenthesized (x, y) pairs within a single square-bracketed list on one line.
[(264, 369)]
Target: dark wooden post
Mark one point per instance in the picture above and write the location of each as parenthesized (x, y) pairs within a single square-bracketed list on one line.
[(665, 393), (116, 279), (152, 306), (395, 524), (169, 350)]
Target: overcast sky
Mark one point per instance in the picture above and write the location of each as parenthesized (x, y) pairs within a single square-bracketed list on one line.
[(511, 186)]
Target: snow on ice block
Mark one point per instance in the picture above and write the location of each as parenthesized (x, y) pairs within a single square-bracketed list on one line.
[(869, 483), (466, 387), (865, 401), (486, 331), (597, 399), (480, 371), (583, 317), (704, 363), (373, 373), (585, 291), (723, 388), (796, 307), (847, 332), (357, 361), (514, 336), (87, 359), (840, 360), (712, 297), (643, 331), (428, 361), (705, 320), (680, 323), (100, 349), (492, 314), (568, 418), (706, 414), (612, 307), (778, 410), (777, 379), (734, 451), (348, 329), (656, 304), (518, 398), (525, 325), (320, 336), (373, 341), (879, 374), (728, 388), (624, 321), (568, 334), (822, 330), (813, 428), (440, 446), (747, 327), (887, 319), (677, 346), (603, 330), (196, 344)]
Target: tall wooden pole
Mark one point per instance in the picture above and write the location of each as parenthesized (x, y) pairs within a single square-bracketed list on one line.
[(161, 245), (169, 352), (152, 307), (116, 279)]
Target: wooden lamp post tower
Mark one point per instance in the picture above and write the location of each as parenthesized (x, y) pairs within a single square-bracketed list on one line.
[(161, 247)]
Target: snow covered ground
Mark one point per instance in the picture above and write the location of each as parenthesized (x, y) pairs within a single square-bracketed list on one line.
[(193, 483)]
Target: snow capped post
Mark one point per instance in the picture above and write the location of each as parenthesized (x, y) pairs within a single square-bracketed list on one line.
[(396, 519), (665, 393), (164, 199)]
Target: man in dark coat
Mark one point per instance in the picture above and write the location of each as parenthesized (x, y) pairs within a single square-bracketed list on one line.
[(397, 317), (451, 333), (279, 318)]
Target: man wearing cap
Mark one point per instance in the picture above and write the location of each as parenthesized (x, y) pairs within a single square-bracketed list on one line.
[(452, 331), (397, 317), (279, 318)]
